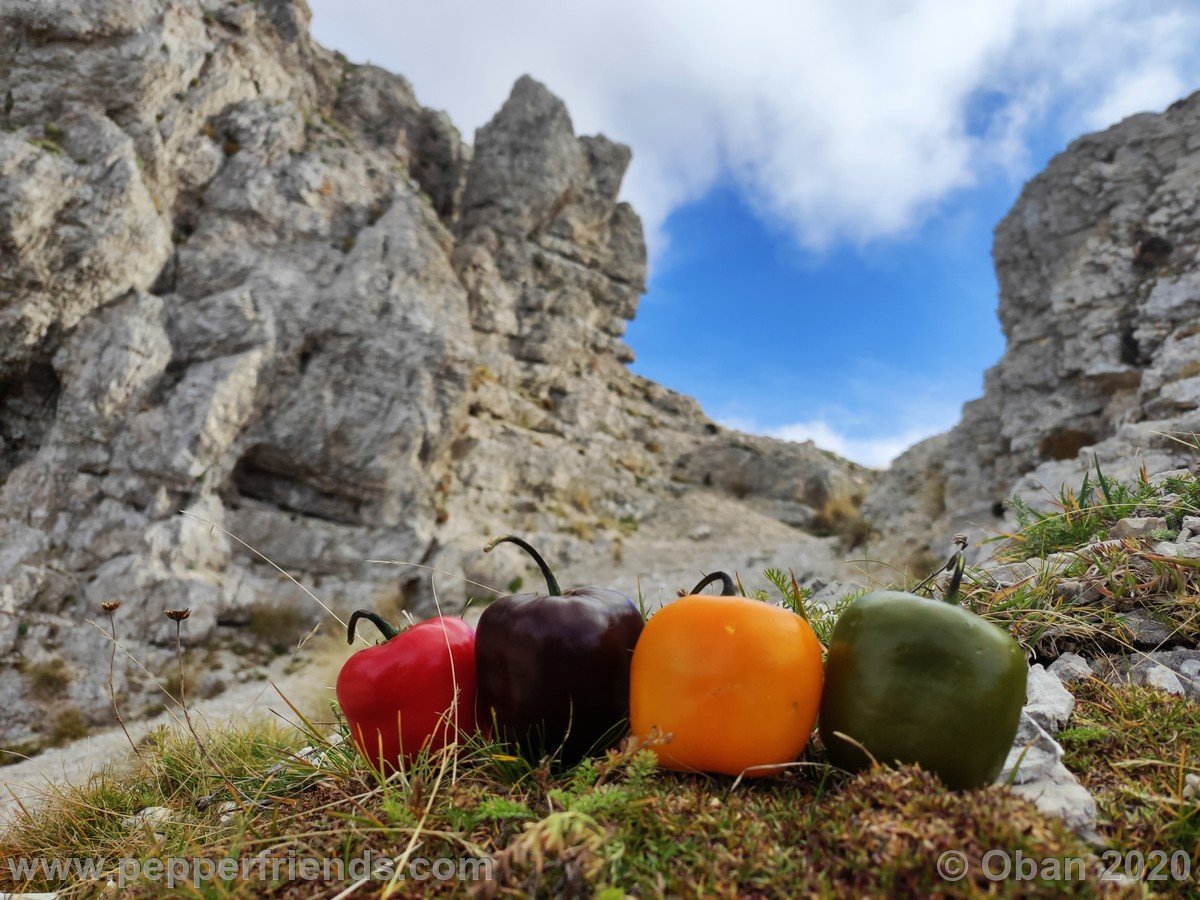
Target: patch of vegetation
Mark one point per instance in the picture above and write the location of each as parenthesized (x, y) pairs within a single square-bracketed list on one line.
[(611, 826), (49, 677), (618, 825), (67, 725), (279, 625), (50, 147), (1079, 599), (840, 515), (1132, 747), (1086, 515), (16, 753), (170, 771)]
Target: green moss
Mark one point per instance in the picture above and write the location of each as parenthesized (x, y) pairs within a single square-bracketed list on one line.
[(617, 824)]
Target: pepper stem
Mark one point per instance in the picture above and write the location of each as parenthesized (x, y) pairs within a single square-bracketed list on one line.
[(727, 589), (955, 564), (552, 587), (384, 626)]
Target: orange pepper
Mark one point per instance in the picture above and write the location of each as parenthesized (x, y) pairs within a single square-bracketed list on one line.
[(735, 683)]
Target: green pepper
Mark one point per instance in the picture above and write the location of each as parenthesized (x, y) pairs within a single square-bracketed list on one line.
[(915, 680)]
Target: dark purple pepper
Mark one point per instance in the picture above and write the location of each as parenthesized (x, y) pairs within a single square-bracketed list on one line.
[(554, 668)]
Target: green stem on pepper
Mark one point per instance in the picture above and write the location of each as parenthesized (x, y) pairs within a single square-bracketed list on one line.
[(955, 564), (552, 588), (959, 564), (727, 589), (385, 627)]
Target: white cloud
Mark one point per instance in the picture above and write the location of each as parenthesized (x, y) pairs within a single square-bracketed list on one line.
[(882, 411), (1148, 89), (846, 121), (864, 428), (876, 451)]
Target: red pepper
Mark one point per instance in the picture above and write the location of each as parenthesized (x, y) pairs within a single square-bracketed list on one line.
[(414, 691)]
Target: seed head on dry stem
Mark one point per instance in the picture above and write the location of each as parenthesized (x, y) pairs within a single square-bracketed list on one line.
[(110, 607), (177, 616)]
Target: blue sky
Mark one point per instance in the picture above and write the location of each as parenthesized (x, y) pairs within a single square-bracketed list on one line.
[(819, 179)]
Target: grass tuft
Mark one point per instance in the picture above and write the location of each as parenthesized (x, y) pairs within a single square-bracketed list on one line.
[(1132, 747)]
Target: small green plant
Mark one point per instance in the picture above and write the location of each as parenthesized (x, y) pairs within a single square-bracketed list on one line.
[(794, 596)]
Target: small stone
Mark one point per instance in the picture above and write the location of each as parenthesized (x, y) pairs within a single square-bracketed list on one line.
[(151, 816), (228, 811), (1164, 679), (1011, 573), (1057, 562), (1034, 753), (1184, 663), (1169, 475), (1079, 590), (1071, 667), (1184, 549), (1034, 770), (1189, 528), (827, 596), (1047, 702), (1145, 630), (1137, 528), (700, 533), (1062, 796), (1191, 786)]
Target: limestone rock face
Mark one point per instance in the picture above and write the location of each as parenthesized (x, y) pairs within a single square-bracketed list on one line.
[(243, 279), (1100, 303)]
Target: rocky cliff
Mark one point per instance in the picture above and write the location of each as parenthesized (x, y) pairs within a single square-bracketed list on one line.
[(244, 279), (1100, 302)]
